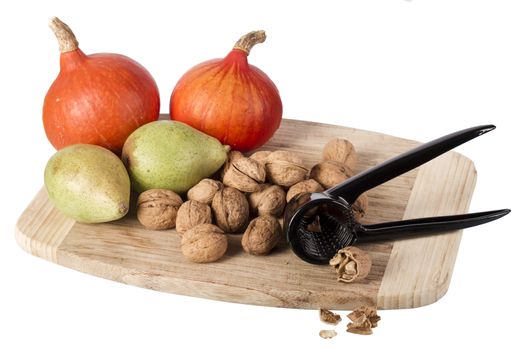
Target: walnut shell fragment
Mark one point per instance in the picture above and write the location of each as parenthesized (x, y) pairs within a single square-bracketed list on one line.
[(261, 235), (285, 168), (369, 312), (269, 200), (329, 317), (309, 185), (191, 214), (330, 173), (204, 243), (231, 209), (362, 326), (351, 264), (157, 209), (327, 333), (242, 173), (342, 151), (204, 191)]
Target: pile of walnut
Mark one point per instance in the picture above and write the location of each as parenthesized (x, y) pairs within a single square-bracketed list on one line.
[(249, 199)]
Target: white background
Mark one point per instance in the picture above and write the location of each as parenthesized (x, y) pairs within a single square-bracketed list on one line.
[(416, 69)]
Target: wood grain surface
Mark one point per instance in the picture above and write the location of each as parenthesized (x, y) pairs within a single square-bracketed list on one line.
[(405, 273)]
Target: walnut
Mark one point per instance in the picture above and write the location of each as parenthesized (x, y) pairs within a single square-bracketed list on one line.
[(261, 235), (309, 185), (157, 208), (204, 191), (233, 155), (260, 156), (231, 209), (204, 243), (191, 214), (330, 173), (362, 326), (329, 317), (244, 174), (360, 206), (342, 151), (351, 264), (327, 333), (270, 200), (285, 168), (369, 312)]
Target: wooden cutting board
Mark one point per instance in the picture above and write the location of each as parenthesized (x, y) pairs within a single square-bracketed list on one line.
[(405, 273)]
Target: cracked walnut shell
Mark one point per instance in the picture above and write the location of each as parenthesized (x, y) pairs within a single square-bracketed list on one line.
[(204, 243), (330, 173), (261, 235), (204, 191), (285, 168), (351, 264), (342, 151), (329, 317), (309, 185), (157, 209), (369, 312), (191, 214), (361, 325), (231, 209), (269, 200), (242, 173)]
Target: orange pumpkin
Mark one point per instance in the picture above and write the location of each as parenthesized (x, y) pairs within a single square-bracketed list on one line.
[(229, 98), (96, 99)]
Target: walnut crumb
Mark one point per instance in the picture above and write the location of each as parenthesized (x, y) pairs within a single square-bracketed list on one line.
[(369, 311), (329, 317), (363, 319), (361, 326), (327, 333)]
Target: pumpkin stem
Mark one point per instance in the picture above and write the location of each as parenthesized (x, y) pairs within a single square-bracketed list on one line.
[(246, 42), (66, 39)]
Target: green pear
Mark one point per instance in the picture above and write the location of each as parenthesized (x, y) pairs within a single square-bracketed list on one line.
[(171, 155), (88, 183)]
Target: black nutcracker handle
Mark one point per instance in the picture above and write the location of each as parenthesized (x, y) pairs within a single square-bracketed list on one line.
[(381, 173), (425, 226)]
